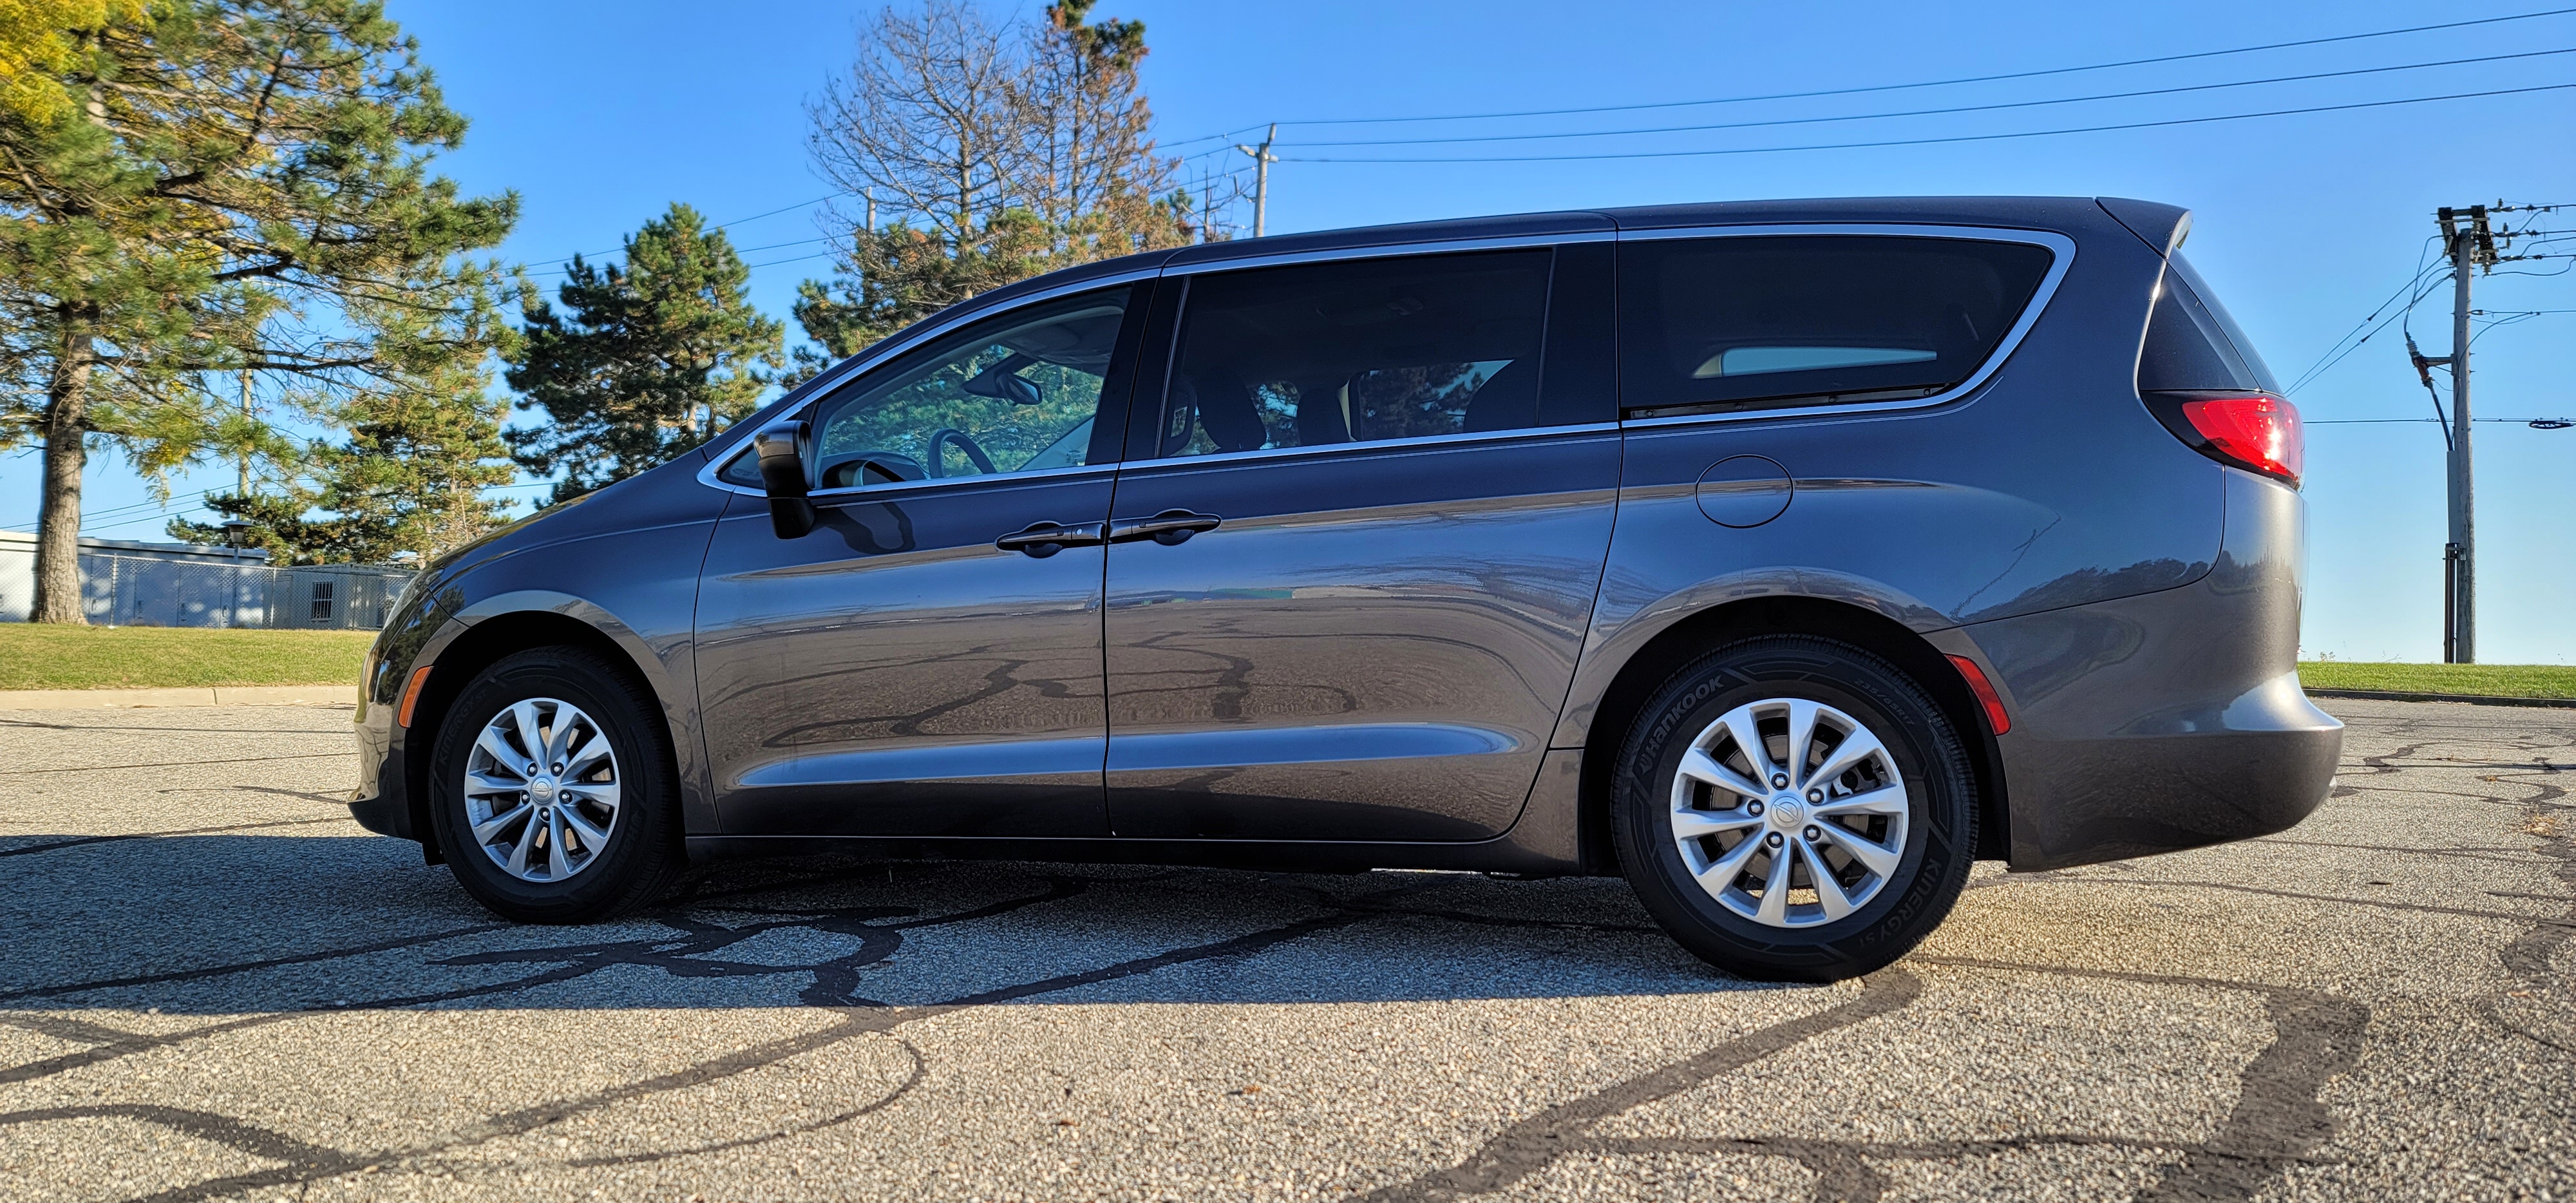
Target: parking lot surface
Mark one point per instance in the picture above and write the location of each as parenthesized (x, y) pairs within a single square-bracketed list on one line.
[(214, 986)]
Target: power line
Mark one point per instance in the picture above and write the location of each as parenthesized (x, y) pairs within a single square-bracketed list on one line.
[(1973, 108), (719, 225), (1890, 142), (1934, 83)]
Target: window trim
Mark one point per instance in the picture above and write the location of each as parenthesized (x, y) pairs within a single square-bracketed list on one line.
[(833, 380), (2061, 247), (1171, 348), (711, 475), (1364, 447)]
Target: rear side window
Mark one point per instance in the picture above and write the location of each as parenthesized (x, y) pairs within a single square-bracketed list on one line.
[(1762, 321), (1358, 351), (2192, 344)]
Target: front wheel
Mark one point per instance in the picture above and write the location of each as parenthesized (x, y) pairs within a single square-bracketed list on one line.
[(1793, 808), (551, 790)]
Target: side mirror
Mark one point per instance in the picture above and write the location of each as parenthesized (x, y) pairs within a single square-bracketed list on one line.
[(781, 447)]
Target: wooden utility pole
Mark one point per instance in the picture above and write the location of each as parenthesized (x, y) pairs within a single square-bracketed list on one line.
[(2470, 243), (1261, 161)]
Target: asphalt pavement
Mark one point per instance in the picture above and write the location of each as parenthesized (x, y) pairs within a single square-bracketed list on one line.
[(215, 986)]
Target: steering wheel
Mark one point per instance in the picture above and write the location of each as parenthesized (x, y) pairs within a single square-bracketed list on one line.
[(851, 471), (937, 463)]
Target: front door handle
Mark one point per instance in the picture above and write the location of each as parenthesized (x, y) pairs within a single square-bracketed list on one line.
[(1043, 539), (1170, 528)]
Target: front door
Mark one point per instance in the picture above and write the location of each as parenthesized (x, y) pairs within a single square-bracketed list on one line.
[(1350, 578), (895, 671)]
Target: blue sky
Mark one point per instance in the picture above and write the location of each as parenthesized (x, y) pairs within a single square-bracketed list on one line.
[(602, 114)]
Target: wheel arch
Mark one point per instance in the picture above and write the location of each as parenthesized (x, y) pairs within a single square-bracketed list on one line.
[(1653, 662), (474, 642)]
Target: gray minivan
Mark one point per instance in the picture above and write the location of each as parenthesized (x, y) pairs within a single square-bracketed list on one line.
[(1783, 557)]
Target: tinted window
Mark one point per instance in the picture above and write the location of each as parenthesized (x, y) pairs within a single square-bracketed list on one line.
[(1016, 393), (1357, 351), (1746, 322), (2193, 344)]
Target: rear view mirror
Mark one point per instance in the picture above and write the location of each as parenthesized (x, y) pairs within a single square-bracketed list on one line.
[(781, 447), (1003, 381)]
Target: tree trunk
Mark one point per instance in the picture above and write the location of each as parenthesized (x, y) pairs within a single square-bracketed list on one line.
[(58, 579)]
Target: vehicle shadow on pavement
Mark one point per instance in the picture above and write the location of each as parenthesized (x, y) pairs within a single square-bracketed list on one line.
[(227, 924)]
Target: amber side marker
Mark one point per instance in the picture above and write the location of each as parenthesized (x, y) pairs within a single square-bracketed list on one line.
[(1977, 684), (411, 695)]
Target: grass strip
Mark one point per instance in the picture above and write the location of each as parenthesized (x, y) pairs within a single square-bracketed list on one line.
[(34, 656), (2486, 680)]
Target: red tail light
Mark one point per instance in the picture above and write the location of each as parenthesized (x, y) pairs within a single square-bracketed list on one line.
[(2256, 431)]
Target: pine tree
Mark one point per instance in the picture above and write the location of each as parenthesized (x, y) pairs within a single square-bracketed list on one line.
[(644, 360), (235, 185), (414, 476)]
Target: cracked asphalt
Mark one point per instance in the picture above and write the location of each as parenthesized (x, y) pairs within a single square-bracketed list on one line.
[(214, 986)]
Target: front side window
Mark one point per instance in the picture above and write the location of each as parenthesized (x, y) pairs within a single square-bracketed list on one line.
[(1015, 393), (1757, 321), (1358, 351)]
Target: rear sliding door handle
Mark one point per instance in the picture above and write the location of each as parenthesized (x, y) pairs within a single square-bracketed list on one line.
[(1043, 539), (1169, 528)]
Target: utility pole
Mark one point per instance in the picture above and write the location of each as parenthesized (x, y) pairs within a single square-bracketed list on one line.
[(1261, 161), (2469, 241)]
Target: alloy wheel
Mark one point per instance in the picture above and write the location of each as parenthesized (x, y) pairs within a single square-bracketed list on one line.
[(541, 790), (1789, 812)]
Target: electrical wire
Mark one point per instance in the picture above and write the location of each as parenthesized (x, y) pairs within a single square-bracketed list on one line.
[(1972, 108), (1933, 83), (1958, 138)]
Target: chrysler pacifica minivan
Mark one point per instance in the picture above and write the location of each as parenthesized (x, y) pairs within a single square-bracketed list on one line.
[(1781, 557)]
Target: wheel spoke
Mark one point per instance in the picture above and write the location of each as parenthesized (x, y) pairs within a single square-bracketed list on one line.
[(592, 839), (1775, 891), (518, 862), (1860, 745), (590, 754), (1829, 892), (1885, 800), (560, 742), (1692, 824), (488, 783), (531, 741), (497, 746), (1700, 766), (601, 792), (1876, 857), (1739, 723), (1721, 872), (1802, 732), (556, 866), (485, 830)]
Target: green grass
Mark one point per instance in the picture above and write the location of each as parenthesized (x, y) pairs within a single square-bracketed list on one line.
[(62, 657), (2494, 680)]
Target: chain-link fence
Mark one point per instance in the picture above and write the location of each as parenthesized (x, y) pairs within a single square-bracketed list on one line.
[(145, 591)]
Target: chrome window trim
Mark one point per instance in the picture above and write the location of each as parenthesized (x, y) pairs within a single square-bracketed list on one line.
[(2062, 246), (856, 366), (931, 484), (1356, 447), (1390, 250)]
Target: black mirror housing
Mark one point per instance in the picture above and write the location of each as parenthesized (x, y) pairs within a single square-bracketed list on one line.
[(781, 448)]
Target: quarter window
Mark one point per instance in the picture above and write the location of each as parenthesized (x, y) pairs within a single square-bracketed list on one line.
[(1358, 351), (1757, 321), (1016, 393)]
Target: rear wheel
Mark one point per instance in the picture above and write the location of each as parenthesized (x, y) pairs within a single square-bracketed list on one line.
[(551, 790), (1795, 808)]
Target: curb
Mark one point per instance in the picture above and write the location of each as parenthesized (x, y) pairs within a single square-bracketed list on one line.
[(2474, 699), (217, 695)]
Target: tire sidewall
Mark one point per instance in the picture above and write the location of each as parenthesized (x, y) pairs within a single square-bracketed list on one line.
[(638, 845), (1922, 746)]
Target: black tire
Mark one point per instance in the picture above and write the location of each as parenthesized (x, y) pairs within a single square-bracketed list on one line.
[(643, 855), (1927, 753)]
